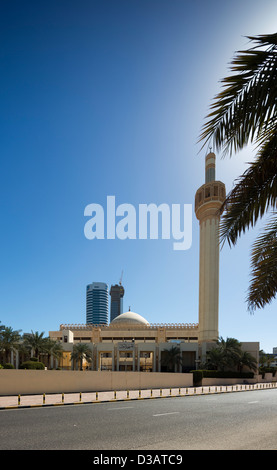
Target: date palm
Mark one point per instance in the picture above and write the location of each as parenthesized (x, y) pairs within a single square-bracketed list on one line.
[(9, 341), (215, 360), (36, 342), (52, 348), (171, 358), (245, 112), (228, 355), (81, 351), (246, 360), (264, 359), (230, 350)]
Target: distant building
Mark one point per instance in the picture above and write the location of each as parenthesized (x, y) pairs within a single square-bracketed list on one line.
[(97, 303), (116, 307)]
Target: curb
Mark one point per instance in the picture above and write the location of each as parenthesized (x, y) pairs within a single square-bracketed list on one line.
[(218, 390), (93, 402)]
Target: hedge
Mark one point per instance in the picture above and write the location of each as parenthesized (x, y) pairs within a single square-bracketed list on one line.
[(264, 370), (198, 375), (32, 365)]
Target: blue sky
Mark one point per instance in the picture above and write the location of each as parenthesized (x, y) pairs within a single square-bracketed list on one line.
[(106, 98)]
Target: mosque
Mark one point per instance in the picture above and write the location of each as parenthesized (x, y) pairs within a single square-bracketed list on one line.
[(130, 342)]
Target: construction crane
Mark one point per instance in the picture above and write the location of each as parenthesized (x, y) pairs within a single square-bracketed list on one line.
[(120, 281)]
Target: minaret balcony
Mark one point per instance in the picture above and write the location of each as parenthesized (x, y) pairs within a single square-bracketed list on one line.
[(213, 192)]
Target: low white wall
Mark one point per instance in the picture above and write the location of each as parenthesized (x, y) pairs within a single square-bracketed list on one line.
[(256, 379), (17, 381), (268, 377)]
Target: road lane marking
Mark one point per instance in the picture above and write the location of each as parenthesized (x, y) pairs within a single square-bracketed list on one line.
[(250, 402), (165, 414), (121, 408)]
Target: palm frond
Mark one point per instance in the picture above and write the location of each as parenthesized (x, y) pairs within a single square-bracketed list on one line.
[(241, 113), (246, 111), (254, 194), (263, 285)]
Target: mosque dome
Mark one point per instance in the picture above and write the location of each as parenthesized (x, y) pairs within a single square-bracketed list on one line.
[(130, 318)]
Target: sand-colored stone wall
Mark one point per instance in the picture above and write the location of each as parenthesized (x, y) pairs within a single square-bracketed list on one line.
[(17, 381)]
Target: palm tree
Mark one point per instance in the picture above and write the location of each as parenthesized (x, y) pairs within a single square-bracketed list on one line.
[(230, 348), (9, 341), (23, 351), (171, 358), (224, 355), (245, 112), (246, 360), (52, 348), (57, 350), (228, 354), (36, 342), (215, 359), (264, 359), (81, 351)]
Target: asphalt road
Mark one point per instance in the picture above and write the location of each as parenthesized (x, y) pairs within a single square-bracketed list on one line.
[(227, 421)]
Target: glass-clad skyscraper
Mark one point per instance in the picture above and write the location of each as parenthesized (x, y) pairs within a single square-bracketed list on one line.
[(116, 293), (97, 303)]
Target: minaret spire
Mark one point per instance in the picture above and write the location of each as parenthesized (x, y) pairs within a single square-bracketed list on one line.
[(210, 167)]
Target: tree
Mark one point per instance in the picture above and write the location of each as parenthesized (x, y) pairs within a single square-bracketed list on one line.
[(228, 355), (231, 350), (215, 360), (81, 351), (245, 359), (224, 355), (171, 358), (36, 342), (264, 359), (245, 112), (52, 348), (9, 341)]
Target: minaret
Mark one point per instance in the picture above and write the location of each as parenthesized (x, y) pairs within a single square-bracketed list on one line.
[(208, 200)]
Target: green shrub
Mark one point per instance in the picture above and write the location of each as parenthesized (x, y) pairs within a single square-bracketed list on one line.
[(198, 375), (32, 365), (8, 366), (228, 374), (263, 370)]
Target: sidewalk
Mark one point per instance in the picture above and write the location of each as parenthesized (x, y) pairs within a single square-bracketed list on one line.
[(59, 399), (56, 399)]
